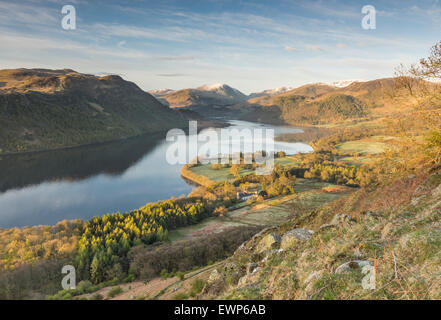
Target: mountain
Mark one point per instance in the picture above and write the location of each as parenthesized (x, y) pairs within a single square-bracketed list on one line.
[(45, 109), (208, 95), (344, 83), (321, 103), (160, 92), (269, 92), (309, 90)]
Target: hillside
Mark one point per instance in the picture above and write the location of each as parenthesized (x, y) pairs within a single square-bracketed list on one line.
[(316, 104), (219, 95), (45, 109)]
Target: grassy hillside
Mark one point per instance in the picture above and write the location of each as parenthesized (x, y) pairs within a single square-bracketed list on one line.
[(45, 109), (391, 224), (315, 104)]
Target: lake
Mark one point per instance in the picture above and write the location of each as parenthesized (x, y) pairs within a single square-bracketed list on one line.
[(79, 183)]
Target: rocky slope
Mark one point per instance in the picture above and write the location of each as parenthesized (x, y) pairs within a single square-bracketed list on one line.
[(332, 254), (44, 109)]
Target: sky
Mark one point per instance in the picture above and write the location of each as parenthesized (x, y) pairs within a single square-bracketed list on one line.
[(250, 45)]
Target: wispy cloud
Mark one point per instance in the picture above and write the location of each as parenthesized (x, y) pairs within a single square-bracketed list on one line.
[(288, 48), (13, 13), (180, 44)]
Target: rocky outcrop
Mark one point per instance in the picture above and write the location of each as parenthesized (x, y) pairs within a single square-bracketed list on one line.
[(270, 241), (290, 238), (338, 220)]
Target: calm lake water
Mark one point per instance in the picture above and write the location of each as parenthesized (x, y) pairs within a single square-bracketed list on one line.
[(47, 187)]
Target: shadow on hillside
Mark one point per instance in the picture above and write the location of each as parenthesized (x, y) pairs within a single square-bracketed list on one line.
[(18, 171)]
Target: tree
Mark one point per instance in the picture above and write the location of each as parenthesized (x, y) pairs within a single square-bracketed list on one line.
[(433, 146), (229, 190), (418, 79), (216, 166), (95, 270), (235, 171), (429, 68)]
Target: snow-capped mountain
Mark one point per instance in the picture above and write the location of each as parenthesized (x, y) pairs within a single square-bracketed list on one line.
[(223, 90), (344, 83), (160, 92), (215, 95), (269, 92)]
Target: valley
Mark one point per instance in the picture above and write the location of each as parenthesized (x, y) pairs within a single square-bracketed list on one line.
[(363, 192)]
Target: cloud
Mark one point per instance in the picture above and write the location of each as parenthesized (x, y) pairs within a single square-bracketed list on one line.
[(170, 33), (341, 45), (288, 48), (24, 14), (38, 46), (332, 10)]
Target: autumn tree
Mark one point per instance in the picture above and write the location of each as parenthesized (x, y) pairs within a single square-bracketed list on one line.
[(235, 171), (421, 80)]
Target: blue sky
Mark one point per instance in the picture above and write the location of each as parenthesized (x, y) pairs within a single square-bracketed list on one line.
[(250, 45)]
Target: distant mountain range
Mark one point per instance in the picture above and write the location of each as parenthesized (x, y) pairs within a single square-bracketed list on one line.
[(269, 92), (323, 103), (44, 109), (224, 95), (217, 94)]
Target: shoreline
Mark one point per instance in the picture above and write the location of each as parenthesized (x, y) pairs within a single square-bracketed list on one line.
[(204, 124), (199, 180), (186, 173)]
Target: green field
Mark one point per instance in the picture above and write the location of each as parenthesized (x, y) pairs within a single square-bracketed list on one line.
[(219, 175), (223, 174), (310, 194), (363, 147), (288, 161)]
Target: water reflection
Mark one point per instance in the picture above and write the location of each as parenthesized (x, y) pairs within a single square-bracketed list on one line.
[(44, 188), (18, 171)]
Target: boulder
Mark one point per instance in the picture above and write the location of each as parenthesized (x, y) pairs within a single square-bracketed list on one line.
[(337, 220), (312, 278), (291, 237), (341, 218), (268, 242), (251, 267), (351, 265), (214, 277), (215, 284), (270, 254), (230, 266)]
